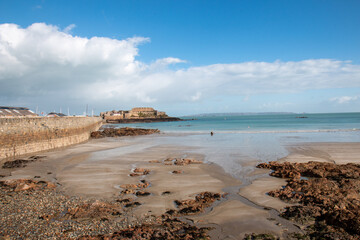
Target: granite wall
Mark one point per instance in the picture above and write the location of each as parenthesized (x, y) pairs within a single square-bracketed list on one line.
[(19, 136)]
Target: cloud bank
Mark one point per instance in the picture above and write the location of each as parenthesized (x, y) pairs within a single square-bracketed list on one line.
[(44, 61), (344, 99)]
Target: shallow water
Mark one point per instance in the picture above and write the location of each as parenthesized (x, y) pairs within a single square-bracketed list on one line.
[(234, 152)]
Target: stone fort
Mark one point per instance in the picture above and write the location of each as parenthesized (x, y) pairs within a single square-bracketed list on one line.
[(135, 113)]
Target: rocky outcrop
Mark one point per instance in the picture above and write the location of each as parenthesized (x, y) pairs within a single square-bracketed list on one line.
[(144, 120), (120, 132), (195, 206), (328, 196), (313, 169)]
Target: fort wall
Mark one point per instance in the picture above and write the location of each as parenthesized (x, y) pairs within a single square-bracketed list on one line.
[(19, 136)]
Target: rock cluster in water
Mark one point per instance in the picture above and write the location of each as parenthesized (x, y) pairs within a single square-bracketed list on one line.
[(328, 195), (119, 132)]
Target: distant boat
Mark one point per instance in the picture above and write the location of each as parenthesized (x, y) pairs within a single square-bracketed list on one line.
[(302, 117)]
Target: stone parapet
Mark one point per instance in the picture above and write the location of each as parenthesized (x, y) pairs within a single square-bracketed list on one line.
[(19, 136)]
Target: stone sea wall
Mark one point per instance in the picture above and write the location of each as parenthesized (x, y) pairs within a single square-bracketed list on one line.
[(19, 136)]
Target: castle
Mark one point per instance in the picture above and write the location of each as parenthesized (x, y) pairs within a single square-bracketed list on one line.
[(135, 113)]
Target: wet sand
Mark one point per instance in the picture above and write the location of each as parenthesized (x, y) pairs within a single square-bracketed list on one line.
[(338, 153), (97, 169)]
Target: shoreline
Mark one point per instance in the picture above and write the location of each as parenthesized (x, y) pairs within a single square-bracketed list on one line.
[(142, 120), (92, 171)]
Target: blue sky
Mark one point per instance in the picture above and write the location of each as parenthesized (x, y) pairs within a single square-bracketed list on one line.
[(184, 57)]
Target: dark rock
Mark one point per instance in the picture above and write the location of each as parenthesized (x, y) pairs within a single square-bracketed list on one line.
[(132, 188), (132, 204), (142, 194), (262, 236), (119, 132), (19, 163), (329, 199), (197, 205), (126, 200)]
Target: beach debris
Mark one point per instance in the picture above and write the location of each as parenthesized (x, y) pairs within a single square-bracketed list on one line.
[(169, 161), (142, 193), (166, 193), (177, 172), (329, 200), (50, 214), (97, 209), (132, 204), (262, 236), (120, 132), (132, 188), (154, 161), (166, 227), (194, 206), (139, 172), (25, 184), (178, 161), (125, 200), (36, 157), (186, 161), (19, 163)]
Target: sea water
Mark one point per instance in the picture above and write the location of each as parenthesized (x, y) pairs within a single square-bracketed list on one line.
[(260, 123), (241, 139)]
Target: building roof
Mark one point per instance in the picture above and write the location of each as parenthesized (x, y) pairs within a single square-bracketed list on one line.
[(16, 112)]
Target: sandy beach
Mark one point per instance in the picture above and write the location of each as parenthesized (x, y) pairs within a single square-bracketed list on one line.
[(100, 170)]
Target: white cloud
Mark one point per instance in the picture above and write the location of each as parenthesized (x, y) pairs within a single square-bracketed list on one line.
[(69, 28), (344, 99), (43, 61), (196, 97)]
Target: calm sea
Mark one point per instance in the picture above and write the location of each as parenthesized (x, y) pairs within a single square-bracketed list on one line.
[(261, 123), (240, 139)]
